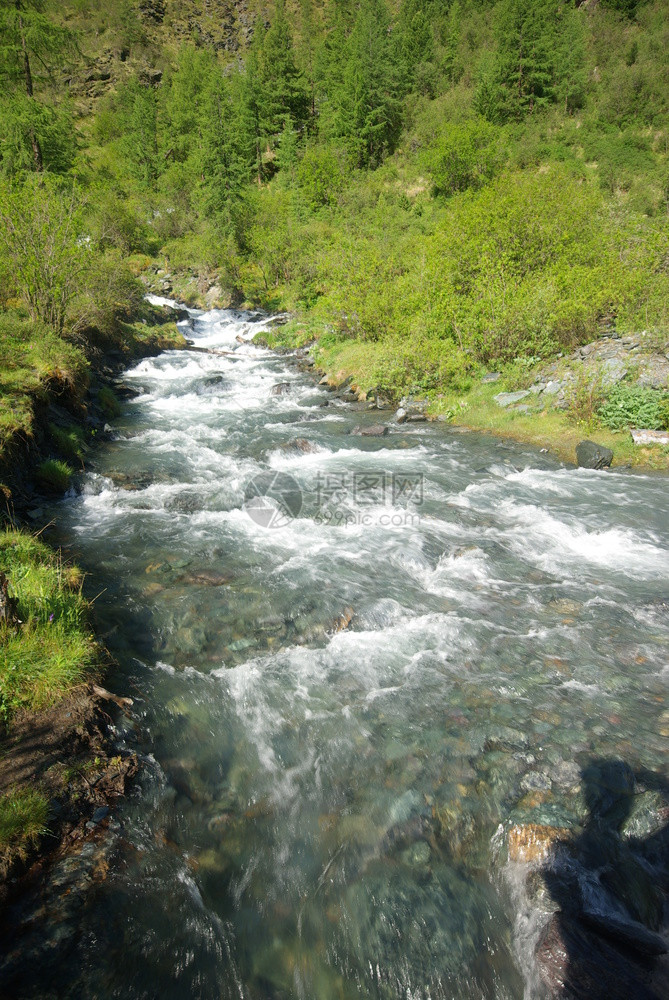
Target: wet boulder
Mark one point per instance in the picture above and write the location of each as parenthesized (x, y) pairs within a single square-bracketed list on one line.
[(280, 389), (531, 842), (575, 961), (300, 445), (590, 455), (374, 430), (211, 386)]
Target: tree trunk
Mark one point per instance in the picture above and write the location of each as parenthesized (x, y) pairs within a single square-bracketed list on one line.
[(34, 141)]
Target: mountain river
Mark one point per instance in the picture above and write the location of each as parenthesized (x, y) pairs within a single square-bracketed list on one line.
[(356, 661)]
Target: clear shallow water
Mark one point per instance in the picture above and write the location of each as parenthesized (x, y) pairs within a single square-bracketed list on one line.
[(338, 712)]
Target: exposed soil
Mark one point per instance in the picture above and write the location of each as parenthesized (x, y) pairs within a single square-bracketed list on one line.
[(67, 753)]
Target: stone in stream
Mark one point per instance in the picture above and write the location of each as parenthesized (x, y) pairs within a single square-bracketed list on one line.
[(211, 385), (300, 445), (374, 430), (576, 962), (204, 578), (280, 389), (401, 415), (590, 455), (184, 503)]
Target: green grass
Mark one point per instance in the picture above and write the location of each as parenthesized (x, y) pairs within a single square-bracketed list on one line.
[(109, 404), (54, 475), (23, 817), (32, 358), (53, 649), (69, 441), (543, 427)]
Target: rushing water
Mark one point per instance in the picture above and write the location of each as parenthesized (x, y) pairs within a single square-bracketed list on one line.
[(338, 710)]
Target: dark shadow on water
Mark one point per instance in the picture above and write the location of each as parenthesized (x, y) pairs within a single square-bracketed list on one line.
[(608, 938)]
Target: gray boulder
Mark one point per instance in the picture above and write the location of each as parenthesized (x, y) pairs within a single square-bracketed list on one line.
[(590, 455), (508, 398)]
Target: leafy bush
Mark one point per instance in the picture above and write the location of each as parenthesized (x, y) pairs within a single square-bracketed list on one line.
[(465, 157), (635, 406), (54, 475), (585, 396), (321, 175), (110, 293)]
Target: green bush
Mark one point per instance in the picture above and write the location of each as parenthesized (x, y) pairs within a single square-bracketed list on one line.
[(635, 406), (584, 396), (54, 475), (465, 157)]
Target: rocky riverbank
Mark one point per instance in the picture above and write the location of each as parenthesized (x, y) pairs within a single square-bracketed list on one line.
[(60, 768), (554, 406)]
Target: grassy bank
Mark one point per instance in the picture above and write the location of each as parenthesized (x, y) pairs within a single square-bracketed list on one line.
[(46, 649), (49, 648), (470, 402)]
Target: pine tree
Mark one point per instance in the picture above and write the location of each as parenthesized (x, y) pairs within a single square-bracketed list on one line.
[(524, 70), (284, 91), (416, 44), (28, 37), (452, 41), (369, 106)]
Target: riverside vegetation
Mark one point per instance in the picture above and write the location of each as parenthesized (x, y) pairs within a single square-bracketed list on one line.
[(434, 190)]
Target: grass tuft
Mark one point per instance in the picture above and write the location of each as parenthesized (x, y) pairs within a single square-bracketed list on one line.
[(53, 649), (54, 475), (23, 817)]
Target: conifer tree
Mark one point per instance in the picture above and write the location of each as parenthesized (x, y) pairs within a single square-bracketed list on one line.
[(28, 38), (283, 87), (369, 105), (452, 41)]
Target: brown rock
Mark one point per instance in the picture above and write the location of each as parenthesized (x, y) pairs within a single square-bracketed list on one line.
[(531, 842)]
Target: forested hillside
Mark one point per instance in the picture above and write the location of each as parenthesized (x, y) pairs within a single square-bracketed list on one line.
[(429, 186)]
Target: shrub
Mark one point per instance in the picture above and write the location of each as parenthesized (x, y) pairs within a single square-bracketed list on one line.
[(585, 396), (465, 157), (54, 475), (635, 406)]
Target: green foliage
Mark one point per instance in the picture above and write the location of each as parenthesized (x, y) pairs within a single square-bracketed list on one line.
[(634, 406), (465, 157), (43, 246), (52, 649), (24, 814), (108, 402), (69, 441), (54, 475)]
